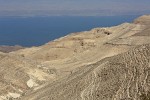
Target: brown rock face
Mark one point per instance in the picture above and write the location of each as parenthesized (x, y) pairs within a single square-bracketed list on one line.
[(111, 63)]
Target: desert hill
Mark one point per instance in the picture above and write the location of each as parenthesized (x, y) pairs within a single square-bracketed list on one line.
[(121, 77), (107, 63)]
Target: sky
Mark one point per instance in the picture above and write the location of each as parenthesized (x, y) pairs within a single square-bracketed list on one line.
[(73, 7)]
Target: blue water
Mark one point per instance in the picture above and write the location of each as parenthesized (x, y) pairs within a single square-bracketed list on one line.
[(35, 31)]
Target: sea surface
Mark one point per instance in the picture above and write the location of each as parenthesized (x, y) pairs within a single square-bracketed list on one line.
[(36, 31)]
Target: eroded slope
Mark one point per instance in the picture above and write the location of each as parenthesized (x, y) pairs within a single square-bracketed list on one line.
[(122, 77), (80, 66)]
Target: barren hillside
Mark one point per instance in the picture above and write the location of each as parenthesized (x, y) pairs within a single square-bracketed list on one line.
[(107, 63)]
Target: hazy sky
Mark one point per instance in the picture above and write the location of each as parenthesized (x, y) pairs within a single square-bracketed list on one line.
[(73, 7)]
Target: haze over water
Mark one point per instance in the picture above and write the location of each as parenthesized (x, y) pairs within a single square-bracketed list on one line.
[(36, 31)]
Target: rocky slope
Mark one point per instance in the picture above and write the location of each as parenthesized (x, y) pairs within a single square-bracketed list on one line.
[(108, 63)]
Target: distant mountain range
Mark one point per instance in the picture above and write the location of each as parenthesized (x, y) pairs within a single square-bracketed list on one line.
[(102, 12)]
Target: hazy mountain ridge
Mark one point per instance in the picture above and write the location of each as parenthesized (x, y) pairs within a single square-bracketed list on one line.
[(100, 64)]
